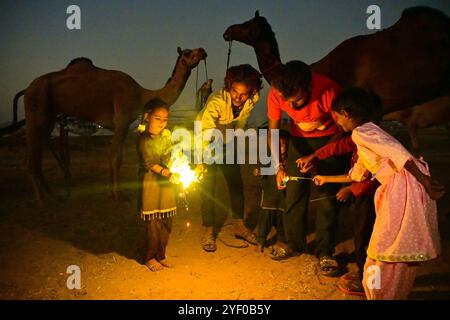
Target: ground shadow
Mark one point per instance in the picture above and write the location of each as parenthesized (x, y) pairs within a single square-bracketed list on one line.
[(439, 284)]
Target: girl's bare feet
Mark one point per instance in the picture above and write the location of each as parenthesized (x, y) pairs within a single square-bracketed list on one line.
[(166, 263), (153, 265)]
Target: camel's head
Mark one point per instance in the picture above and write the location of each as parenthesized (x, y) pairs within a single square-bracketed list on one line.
[(191, 57), (250, 31)]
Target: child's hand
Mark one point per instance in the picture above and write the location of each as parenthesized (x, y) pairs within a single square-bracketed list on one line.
[(343, 194), (320, 180), (281, 174), (166, 173), (305, 164), (434, 189)]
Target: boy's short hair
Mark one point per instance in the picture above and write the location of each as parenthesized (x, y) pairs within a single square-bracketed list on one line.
[(244, 73), (359, 103), (292, 77)]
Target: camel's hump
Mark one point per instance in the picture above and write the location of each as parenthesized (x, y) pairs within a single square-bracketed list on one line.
[(80, 60), (418, 11), (80, 64)]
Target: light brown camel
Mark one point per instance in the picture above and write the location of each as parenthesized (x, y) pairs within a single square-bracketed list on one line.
[(431, 113), (203, 94), (406, 64), (109, 98)]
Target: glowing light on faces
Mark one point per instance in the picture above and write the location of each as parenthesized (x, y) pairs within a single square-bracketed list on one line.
[(157, 121), (298, 100), (295, 101), (240, 93), (341, 120)]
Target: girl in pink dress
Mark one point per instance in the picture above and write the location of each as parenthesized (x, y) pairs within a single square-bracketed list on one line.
[(405, 230)]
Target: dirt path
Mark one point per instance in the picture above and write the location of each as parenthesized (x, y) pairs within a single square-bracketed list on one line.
[(105, 239)]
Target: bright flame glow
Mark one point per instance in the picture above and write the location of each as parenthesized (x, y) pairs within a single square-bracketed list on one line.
[(182, 172)]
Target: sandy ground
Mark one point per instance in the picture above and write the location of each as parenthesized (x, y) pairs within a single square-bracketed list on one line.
[(106, 238)]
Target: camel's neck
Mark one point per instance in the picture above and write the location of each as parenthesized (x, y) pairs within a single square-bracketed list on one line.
[(173, 88), (175, 85), (268, 57), (322, 67)]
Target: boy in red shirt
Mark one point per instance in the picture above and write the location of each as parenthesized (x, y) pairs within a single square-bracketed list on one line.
[(307, 99)]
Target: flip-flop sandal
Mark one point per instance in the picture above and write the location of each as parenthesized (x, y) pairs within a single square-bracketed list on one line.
[(209, 244), (248, 236), (328, 266), (231, 241), (353, 288), (351, 276)]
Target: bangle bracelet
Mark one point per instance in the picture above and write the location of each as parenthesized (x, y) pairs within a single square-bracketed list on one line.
[(161, 171)]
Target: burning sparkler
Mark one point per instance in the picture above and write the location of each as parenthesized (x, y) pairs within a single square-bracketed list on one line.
[(183, 175), (291, 178)]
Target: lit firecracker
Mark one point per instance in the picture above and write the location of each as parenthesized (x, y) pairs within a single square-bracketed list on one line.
[(291, 178), (183, 175)]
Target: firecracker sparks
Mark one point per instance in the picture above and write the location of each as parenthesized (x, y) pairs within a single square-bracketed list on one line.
[(182, 172), (183, 175), (291, 178)]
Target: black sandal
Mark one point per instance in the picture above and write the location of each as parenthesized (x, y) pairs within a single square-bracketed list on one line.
[(329, 267), (279, 253)]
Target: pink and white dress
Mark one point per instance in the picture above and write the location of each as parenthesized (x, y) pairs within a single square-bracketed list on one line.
[(406, 228)]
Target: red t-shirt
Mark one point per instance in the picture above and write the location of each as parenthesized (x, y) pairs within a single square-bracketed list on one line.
[(314, 119), (337, 148)]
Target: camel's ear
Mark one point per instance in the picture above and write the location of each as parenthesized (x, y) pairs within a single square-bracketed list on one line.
[(179, 51), (257, 14)]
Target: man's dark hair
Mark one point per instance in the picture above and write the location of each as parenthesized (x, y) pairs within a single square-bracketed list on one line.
[(360, 104), (292, 77), (246, 74)]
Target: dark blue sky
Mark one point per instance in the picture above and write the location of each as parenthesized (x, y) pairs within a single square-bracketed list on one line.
[(140, 37)]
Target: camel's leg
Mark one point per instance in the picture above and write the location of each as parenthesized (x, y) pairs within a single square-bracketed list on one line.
[(62, 155), (34, 163), (37, 133), (412, 130), (65, 155), (120, 134)]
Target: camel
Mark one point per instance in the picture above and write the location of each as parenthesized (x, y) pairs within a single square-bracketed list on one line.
[(203, 94), (109, 98), (406, 64), (435, 112)]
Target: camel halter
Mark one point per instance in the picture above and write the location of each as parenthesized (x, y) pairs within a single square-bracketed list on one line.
[(196, 78), (229, 53)]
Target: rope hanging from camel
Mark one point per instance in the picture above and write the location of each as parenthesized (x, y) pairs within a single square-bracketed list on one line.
[(196, 81), (196, 78), (229, 53)]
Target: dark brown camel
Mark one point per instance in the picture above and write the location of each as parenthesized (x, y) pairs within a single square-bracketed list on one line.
[(109, 98), (406, 65)]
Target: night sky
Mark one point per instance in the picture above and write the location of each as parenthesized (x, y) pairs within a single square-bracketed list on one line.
[(141, 37)]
